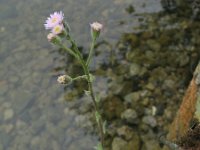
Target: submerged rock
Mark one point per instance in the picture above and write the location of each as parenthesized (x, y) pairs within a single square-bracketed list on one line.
[(119, 144), (149, 120), (130, 116)]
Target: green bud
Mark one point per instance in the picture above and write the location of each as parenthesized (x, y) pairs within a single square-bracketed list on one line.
[(64, 79)]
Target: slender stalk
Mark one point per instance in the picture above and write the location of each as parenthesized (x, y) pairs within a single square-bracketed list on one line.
[(68, 50), (90, 86), (99, 123), (90, 52)]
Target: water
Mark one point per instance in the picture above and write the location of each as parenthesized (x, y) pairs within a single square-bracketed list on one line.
[(34, 112)]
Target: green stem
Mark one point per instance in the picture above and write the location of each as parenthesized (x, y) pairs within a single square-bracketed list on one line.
[(99, 123), (80, 77), (68, 50), (90, 86), (90, 52)]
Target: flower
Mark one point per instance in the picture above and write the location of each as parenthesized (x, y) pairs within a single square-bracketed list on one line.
[(57, 29), (64, 79), (54, 19), (96, 26), (50, 36)]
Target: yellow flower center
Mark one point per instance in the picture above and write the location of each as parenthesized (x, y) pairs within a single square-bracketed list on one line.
[(57, 29)]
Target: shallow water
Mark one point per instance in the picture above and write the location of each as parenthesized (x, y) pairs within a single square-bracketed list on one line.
[(34, 113)]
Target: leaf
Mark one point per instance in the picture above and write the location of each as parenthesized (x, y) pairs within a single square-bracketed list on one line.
[(104, 126), (99, 147), (88, 93)]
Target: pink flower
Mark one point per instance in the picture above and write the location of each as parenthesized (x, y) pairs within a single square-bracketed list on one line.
[(57, 29), (54, 19), (96, 26)]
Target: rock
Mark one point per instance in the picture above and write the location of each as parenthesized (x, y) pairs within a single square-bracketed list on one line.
[(119, 144), (150, 145), (150, 86), (130, 116), (125, 132), (8, 114), (8, 128), (35, 141), (3, 87), (113, 107), (135, 69), (169, 83), (145, 101), (134, 143), (83, 121), (153, 44), (134, 96), (149, 120)]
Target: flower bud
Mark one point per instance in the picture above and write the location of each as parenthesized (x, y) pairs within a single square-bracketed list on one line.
[(96, 26), (50, 37), (64, 79), (95, 29)]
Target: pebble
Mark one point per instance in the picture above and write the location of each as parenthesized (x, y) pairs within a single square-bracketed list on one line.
[(149, 120), (134, 96), (130, 116), (125, 132), (135, 69), (8, 114), (118, 144)]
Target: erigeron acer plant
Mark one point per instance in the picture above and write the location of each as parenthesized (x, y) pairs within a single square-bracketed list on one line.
[(59, 31)]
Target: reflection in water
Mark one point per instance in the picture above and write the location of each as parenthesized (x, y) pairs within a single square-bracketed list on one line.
[(143, 66)]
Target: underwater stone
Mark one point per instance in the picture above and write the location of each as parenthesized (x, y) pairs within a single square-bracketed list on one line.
[(8, 114), (134, 142), (134, 96), (130, 116), (154, 45), (119, 144), (150, 86), (149, 120), (125, 132), (3, 87), (135, 69)]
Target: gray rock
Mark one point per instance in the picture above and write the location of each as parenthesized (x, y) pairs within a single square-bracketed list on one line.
[(130, 116), (150, 86), (125, 132), (149, 120), (153, 44), (118, 144), (3, 88), (8, 114), (135, 69), (134, 96)]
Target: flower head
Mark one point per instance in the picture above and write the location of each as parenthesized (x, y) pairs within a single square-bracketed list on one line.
[(96, 26), (64, 79), (54, 19), (57, 29), (50, 36)]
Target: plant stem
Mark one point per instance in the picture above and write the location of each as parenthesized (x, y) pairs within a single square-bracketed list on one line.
[(90, 52), (90, 86), (99, 123)]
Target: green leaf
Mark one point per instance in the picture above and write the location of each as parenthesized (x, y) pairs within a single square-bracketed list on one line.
[(104, 126), (88, 93), (97, 98), (99, 147), (98, 116)]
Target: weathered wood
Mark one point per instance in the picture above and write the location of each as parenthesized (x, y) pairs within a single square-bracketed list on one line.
[(188, 111)]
